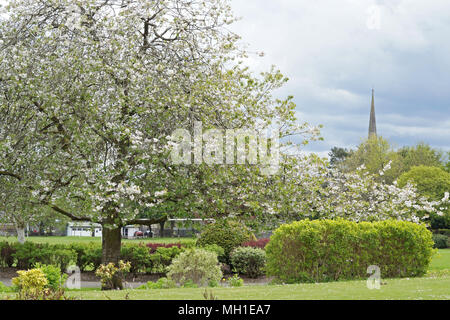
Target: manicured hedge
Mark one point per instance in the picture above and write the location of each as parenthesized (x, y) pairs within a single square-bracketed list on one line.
[(87, 256), (331, 250)]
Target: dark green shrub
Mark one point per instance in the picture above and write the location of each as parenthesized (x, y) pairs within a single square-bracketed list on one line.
[(227, 234), (7, 251), (444, 232), (28, 254), (331, 250), (249, 261), (138, 256), (440, 241), (163, 257)]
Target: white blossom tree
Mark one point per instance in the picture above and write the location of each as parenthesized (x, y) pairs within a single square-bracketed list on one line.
[(90, 92)]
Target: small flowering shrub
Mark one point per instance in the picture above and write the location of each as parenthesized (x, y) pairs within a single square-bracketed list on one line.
[(332, 250), (248, 261), (111, 275), (44, 282), (30, 282), (195, 266)]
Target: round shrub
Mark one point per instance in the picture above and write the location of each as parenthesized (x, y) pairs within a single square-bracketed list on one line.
[(196, 266), (249, 261), (228, 234), (440, 241), (331, 250)]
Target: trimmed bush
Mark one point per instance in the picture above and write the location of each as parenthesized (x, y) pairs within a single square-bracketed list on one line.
[(248, 261), (88, 256), (228, 234), (331, 250), (29, 253), (196, 266), (440, 241)]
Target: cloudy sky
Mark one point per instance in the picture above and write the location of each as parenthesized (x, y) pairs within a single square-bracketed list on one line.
[(334, 52)]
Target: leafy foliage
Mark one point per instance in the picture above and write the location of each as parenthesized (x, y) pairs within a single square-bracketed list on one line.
[(440, 241), (110, 273), (227, 234), (197, 266), (55, 280), (434, 183), (248, 261), (332, 250)]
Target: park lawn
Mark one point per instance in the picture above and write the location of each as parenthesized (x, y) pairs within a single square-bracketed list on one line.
[(441, 261), (427, 288), (68, 240)]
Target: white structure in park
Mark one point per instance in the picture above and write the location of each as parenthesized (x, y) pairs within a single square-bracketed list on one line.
[(84, 229), (89, 229)]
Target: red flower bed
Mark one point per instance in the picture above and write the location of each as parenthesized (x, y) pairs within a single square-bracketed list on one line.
[(260, 243)]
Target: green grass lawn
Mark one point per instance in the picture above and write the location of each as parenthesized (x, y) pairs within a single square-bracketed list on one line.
[(441, 261), (66, 240)]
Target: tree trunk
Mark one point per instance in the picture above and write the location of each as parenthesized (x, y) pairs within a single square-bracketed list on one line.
[(111, 243), (161, 226), (20, 234)]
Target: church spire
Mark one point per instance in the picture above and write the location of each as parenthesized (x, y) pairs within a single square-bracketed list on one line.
[(373, 122)]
